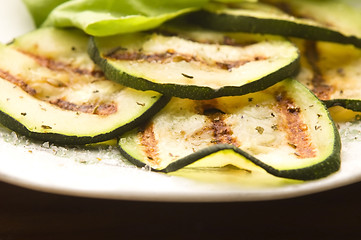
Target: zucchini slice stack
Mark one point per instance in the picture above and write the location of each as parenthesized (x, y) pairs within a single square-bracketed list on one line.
[(238, 91), (52, 91), (330, 53), (235, 102)]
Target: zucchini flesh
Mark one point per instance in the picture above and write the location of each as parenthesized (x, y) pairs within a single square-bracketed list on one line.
[(329, 20), (197, 64), (52, 91), (333, 72), (284, 130)]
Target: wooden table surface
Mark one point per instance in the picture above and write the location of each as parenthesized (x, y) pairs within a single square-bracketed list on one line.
[(27, 214)]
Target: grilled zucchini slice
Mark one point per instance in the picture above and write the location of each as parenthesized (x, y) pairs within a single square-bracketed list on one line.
[(195, 64), (329, 20), (333, 72), (284, 130), (52, 91)]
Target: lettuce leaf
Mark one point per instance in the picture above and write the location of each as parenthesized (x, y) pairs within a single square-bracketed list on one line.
[(109, 17), (40, 9)]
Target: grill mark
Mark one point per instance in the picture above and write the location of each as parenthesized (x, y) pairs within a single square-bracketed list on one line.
[(320, 88), (296, 129), (221, 131), (18, 82), (61, 66), (97, 109), (150, 144), (172, 56)]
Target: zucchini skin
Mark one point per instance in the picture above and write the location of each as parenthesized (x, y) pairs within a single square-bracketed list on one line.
[(313, 172), (232, 23), (351, 104), (190, 91), (62, 139)]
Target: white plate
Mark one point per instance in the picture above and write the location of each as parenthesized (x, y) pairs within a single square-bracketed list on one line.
[(102, 173)]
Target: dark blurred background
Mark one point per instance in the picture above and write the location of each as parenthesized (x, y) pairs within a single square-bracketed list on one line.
[(32, 215)]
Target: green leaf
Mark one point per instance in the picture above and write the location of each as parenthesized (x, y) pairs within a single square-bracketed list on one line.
[(40, 9), (109, 17)]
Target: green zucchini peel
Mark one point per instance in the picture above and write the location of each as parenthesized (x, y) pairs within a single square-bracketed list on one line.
[(327, 20)]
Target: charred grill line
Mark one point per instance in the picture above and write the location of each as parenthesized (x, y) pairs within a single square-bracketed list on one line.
[(98, 109), (297, 131), (60, 66), (320, 88), (221, 131), (150, 144), (173, 56), (18, 82)]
